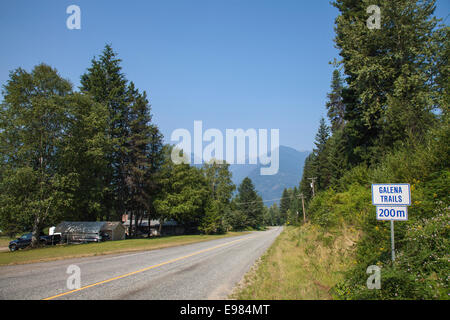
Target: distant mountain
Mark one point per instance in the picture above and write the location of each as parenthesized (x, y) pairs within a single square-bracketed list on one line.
[(271, 187)]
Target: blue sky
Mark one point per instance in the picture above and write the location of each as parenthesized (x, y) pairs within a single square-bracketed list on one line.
[(230, 63)]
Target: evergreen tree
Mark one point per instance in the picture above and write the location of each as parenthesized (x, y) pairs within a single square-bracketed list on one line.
[(250, 204), (274, 216), (211, 222), (285, 204), (309, 171), (140, 162), (295, 206), (321, 163), (236, 218), (337, 160), (106, 84), (335, 104), (136, 153), (389, 96), (85, 146)]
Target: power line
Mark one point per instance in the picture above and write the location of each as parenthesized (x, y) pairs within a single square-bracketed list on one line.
[(291, 196), (446, 18), (257, 201)]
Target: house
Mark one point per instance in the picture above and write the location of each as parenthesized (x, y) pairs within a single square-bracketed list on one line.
[(89, 231), (152, 227)]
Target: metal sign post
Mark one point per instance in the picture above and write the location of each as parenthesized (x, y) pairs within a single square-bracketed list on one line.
[(392, 240)]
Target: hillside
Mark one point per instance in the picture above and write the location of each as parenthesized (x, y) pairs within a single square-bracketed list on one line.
[(271, 187)]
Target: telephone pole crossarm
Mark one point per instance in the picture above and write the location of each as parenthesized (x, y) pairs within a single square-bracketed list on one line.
[(313, 180)]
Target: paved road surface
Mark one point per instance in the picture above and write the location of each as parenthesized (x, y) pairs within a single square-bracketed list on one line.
[(206, 270)]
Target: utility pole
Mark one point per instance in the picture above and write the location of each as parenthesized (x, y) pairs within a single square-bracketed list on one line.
[(303, 205), (313, 179)]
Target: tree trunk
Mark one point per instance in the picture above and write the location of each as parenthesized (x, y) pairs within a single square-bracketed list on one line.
[(35, 232), (130, 230), (149, 229), (141, 217), (136, 224), (161, 221)]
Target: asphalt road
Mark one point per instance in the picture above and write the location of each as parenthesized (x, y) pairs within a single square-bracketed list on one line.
[(205, 270)]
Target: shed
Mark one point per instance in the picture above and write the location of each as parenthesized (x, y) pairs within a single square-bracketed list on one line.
[(89, 231), (116, 230), (152, 227)]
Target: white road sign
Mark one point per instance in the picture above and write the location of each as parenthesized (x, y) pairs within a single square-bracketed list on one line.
[(391, 194), (392, 213)]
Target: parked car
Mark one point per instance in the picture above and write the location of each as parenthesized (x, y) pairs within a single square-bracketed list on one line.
[(25, 240)]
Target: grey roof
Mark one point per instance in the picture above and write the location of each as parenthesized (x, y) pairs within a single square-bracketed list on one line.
[(153, 223), (79, 227), (111, 225)]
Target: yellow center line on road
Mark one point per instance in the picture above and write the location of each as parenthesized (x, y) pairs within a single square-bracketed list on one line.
[(145, 269)]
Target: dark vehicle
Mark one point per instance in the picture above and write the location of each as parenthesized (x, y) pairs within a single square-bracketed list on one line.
[(25, 240)]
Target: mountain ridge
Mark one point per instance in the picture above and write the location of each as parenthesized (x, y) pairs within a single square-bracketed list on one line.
[(269, 187)]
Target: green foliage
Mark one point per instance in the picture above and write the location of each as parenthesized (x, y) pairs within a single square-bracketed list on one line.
[(143, 157), (76, 156), (236, 219), (85, 147), (272, 216), (335, 104), (285, 203), (337, 161), (218, 179), (309, 171), (421, 268), (198, 198), (292, 218), (134, 153), (247, 207), (396, 79), (331, 208), (212, 222), (34, 122), (184, 194), (390, 72), (105, 83), (321, 160)]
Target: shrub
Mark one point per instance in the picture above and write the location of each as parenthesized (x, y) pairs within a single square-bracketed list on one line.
[(421, 268)]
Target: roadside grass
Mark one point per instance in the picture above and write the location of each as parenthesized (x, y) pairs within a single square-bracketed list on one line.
[(303, 263), (4, 241), (59, 252)]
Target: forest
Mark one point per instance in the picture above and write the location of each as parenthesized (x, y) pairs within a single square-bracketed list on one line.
[(94, 154), (388, 122)]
